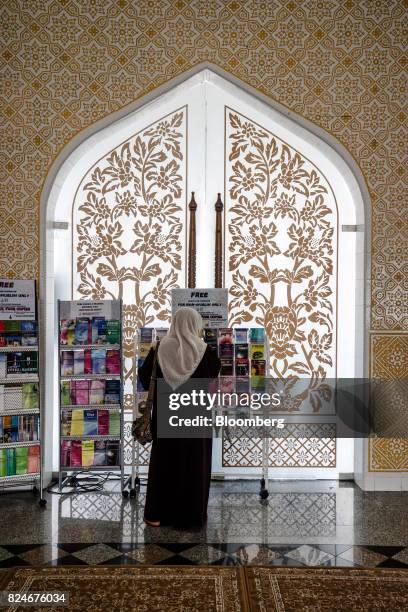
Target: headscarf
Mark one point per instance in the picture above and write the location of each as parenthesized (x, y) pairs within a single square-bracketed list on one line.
[(181, 350)]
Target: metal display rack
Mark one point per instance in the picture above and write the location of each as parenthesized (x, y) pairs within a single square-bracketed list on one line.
[(67, 310), (133, 480), (12, 386)]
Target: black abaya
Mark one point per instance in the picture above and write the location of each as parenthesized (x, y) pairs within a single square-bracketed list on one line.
[(180, 469)]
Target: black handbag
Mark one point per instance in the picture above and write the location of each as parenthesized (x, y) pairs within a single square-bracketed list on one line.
[(142, 425)]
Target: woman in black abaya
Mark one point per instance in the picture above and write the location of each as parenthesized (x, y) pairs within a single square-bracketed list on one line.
[(180, 469)]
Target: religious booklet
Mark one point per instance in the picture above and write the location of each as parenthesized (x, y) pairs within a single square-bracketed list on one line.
[(67, 332), (77, 423), (81, 330), (161, 332), (112, 453), (241, 335), (33, 459), (112, 391), (98, 324), (14, 365), (226, 384), (258, 369), (78, 362), (65, 393), (3, 365), (146, 335), (29, 333), (29, 363), (257, 334), (82, 393), (114, 423), (210, 338), (21, 460), (66, 416), (103, 422), (87, 453), (10, 429), (100, 452), (67, 363), (113, 361), (30, 396), (3, 462), (97, 392), (242, 384), (76, 453), (227, 367), (225, 350), (257, 351), (90, 423), (242, 367), (225, 335), (98, 361), (241, 351), (11, 461), (65, 457), (113, 332), (87, 361)]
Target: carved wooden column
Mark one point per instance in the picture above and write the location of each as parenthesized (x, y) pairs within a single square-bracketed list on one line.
[(192, 207), (218, 243)]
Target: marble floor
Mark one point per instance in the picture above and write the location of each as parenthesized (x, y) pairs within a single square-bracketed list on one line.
[(301, 523)]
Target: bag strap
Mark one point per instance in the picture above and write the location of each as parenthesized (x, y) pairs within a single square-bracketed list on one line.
[(153, 377)]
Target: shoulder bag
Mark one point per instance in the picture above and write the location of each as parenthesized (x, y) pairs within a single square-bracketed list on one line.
[(142, 425)]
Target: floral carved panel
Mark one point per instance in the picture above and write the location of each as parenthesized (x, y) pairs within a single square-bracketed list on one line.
[(281, 253), (129, 227)]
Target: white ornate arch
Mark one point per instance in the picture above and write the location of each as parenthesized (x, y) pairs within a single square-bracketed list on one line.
[(83, 147)]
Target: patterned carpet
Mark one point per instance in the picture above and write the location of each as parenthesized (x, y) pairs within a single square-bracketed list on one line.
[(215, 588)]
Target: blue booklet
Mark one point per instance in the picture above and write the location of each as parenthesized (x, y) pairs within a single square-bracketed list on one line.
[(90, 423)]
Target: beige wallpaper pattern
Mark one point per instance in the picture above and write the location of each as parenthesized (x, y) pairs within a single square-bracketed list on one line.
[(340, 63)]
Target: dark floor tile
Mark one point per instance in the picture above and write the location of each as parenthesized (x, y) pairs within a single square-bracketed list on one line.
[(388, 551), (176, 560), (122, 560), (14, 562), (18, 549), (177, 547), (68, 560), (74, 547), (392, 563)]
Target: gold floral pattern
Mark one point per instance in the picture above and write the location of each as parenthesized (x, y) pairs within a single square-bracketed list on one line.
[(129, 209), (281, 241)]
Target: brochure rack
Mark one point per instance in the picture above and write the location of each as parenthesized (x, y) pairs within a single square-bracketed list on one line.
[(244, 354), (90, 401), (20, 390)]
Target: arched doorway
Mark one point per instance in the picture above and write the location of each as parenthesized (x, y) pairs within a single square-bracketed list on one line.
[(280, 182)]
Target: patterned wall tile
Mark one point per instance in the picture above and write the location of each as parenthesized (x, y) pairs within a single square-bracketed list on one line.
[(389, 364)]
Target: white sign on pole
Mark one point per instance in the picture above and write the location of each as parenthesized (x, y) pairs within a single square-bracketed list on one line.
[(17, 300), (212, 304)]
